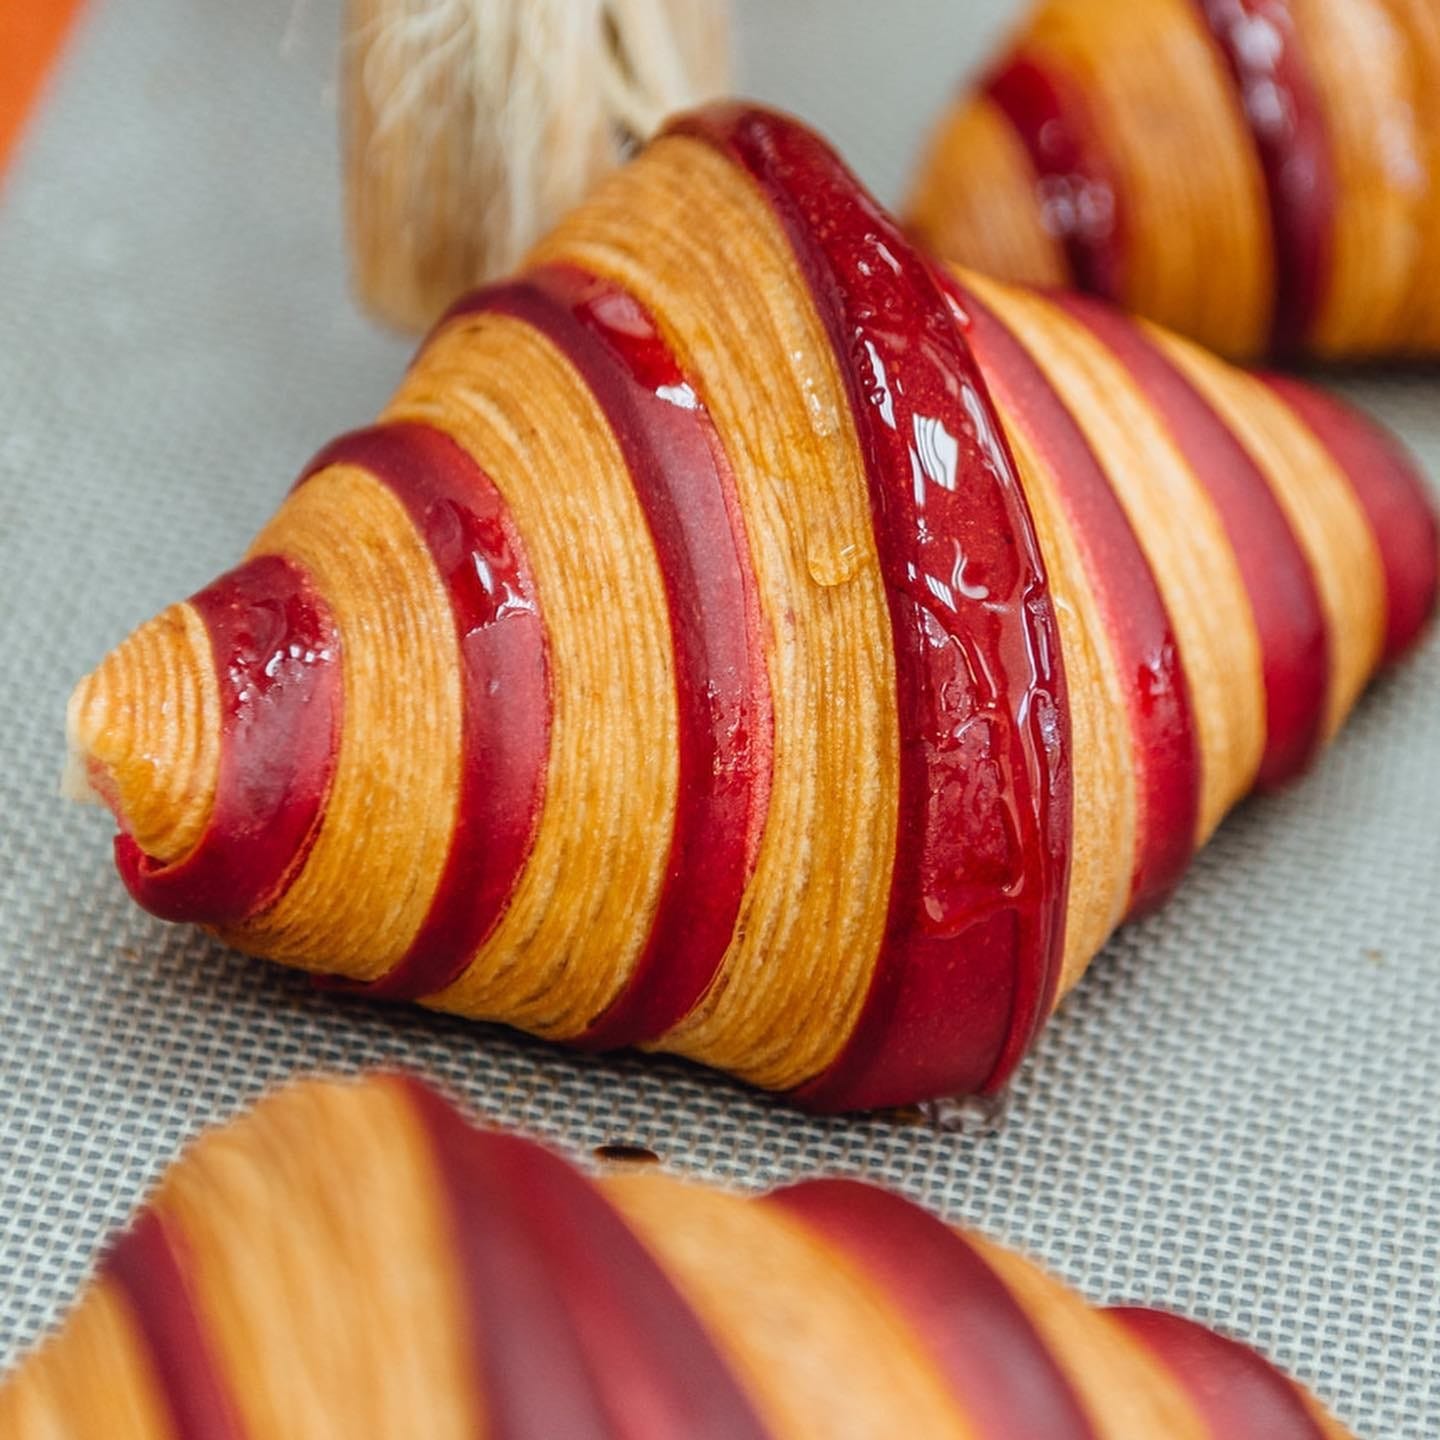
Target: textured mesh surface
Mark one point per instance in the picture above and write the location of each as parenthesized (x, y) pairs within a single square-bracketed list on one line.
[(1237, 1113)]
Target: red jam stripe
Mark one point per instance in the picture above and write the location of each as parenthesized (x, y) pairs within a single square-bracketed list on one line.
[(975, 928), (505, 698), (277, 663), (1279, 581), (1239, 1395), (1393, 496), (1165, 748), (1076, 186), (576, 1330), (685, 487), (147, 1266), (1005, 1380), (1262, 53)]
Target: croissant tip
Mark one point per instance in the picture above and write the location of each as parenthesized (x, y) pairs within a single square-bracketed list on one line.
[(79, 780), (142, 734)]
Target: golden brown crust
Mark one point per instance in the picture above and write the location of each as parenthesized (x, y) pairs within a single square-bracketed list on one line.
[(582, 909), (92, 1378), (1195, 237), (1363, 69), (362, 894), (1126, 1394), (738, 315), (1321, 508), (145, 730), (791, 1315), (1180, 532), (1328, 246), (325, 1209), (1102, 856), (1420, 316)]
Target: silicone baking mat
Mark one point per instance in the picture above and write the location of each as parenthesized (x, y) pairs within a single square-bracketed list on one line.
[(1237, 1113)]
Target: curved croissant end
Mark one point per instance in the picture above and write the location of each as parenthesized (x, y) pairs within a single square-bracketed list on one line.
[(742, 638), (356, 1259), (1262, 175), (144, 733)]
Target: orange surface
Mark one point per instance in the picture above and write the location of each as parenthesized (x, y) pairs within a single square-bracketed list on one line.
[(33, 31)]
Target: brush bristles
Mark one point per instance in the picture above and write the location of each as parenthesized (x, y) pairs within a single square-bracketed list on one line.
[(471, 128)]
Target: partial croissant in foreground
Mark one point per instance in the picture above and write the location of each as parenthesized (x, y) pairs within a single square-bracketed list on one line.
[(1261, 175), (355, 1259), (741, 639)]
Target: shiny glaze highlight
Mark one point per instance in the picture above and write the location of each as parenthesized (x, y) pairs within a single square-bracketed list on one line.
[(1165, 748), (683, 482), (505, 725), (975, 930), (277, 661)]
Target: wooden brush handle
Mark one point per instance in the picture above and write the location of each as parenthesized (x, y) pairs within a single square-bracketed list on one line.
[(743, 638), (355, 1259), (1262, 175)]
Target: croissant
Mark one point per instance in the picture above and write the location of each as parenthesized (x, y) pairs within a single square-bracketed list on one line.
[(1261, 175), (356, 1259), (741, 638)]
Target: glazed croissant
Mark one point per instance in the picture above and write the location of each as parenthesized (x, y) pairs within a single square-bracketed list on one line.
[(740, 638), (355, 1259), (1261, 175)]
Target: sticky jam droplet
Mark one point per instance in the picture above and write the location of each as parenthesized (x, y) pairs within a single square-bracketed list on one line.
[(832, 560)]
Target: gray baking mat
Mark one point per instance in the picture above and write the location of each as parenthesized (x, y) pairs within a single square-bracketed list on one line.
[(1237, 1113)]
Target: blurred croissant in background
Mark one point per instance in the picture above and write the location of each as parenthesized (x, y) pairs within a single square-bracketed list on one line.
[(1260, 175)]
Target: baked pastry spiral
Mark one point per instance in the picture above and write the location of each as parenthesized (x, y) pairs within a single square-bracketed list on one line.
[(1261, 175), (355, 1259), (741, 638)]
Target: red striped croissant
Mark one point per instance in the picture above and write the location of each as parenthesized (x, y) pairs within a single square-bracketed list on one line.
[(1262, 175), (356, 1260), (741, 639)]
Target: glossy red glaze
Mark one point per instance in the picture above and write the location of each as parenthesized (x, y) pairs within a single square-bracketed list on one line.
[(685, 487), (575, 1329), (1263, 54), (1279, 582), (975, 928), (505, 699), (1075, 188), (1003, 1377), (1239, 1395), (1394, 497), (1164, 748), (277, 664), (147, 1266)]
